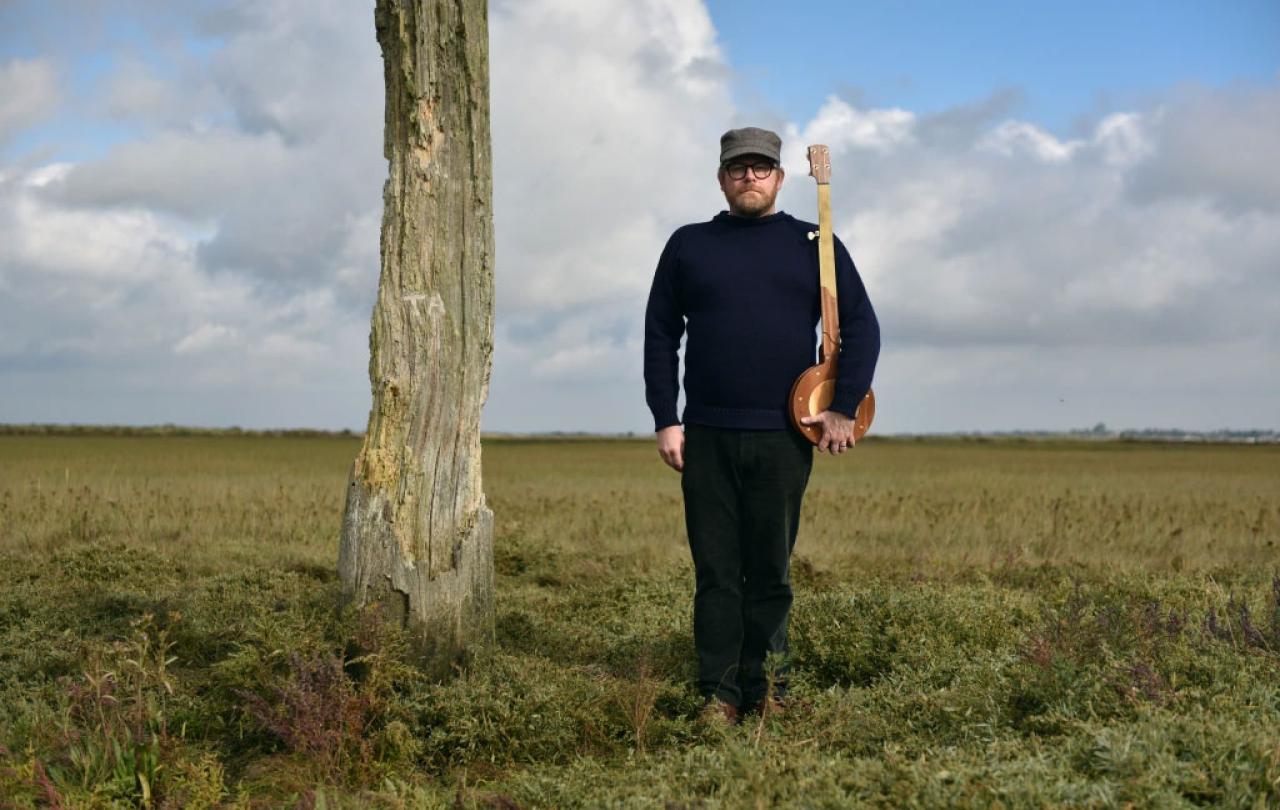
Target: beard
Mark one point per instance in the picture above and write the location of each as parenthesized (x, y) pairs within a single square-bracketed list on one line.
[(752, 203)]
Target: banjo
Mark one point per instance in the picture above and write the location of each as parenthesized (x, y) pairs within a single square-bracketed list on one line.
[(816, 387)]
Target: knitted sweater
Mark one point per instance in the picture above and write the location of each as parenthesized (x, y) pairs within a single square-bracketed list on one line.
[(745, 289)]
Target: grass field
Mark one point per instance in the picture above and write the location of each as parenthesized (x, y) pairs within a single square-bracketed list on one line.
[(1022, 623)]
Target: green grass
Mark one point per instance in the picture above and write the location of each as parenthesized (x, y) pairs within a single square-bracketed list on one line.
[(1029, 623)]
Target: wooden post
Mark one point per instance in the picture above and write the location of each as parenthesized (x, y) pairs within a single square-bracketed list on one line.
[(417, 537)]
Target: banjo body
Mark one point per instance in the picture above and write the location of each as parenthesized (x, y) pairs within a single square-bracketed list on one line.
[(811, 394), (813, 391)]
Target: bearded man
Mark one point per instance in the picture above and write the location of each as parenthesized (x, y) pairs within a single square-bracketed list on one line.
[(743, 291)]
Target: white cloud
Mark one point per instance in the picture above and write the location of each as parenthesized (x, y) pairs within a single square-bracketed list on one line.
[(221, 266), (578, 361), (29, 92), (1019, 137), (273, 149), (1122, 139), (1216, 145), (1118, 138), (207, 336), (135, 91), (116, 299), (605, 124), (841, 126), (1024, 263)]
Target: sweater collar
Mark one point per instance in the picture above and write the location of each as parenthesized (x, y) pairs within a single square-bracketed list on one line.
[(726, 218)]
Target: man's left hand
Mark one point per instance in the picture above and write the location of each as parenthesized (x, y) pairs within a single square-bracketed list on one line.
[(837, 431)]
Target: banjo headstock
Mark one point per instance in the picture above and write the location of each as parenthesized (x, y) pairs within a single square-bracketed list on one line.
[(820, 164)]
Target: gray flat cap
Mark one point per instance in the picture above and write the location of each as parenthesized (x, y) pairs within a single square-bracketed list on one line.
[(750, 141)]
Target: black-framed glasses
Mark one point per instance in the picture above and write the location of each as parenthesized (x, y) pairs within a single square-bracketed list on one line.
[(737, 171)]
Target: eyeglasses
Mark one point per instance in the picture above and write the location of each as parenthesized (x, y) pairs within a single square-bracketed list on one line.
[(737, 171)]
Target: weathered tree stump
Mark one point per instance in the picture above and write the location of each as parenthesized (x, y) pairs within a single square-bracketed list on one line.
[(417, 538)]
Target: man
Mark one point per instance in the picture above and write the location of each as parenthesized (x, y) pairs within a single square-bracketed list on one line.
[(744, 287)]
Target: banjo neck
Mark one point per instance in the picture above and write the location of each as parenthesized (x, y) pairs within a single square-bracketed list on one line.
[(814, 390), (820, 170)]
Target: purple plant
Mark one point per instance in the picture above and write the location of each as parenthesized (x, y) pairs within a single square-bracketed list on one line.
[(319, 713), (1252, 636)]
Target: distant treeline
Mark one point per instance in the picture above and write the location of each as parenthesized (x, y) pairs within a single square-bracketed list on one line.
[(166, 430), (1145, 436)]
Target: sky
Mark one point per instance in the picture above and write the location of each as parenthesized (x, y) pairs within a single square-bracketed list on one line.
[(1064, 214)]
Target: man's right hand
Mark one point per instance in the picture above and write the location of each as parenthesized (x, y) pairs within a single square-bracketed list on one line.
[(671, 447)]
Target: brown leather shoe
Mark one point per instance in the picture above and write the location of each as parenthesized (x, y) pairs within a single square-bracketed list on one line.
[(718, 713)]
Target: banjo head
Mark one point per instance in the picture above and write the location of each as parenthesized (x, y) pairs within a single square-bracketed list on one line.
[(812, 394)]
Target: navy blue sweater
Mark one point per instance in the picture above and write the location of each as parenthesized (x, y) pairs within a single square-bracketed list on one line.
[(746, 291)]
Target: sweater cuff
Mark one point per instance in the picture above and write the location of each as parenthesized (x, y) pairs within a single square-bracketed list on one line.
[(846, 405), (664, 421)]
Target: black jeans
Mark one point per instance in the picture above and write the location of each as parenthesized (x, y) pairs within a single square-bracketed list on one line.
[(742, 494)]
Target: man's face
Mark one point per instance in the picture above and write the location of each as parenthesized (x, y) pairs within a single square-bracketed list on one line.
[(750, 196)]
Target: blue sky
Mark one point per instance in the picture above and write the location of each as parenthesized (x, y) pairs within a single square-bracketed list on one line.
[(1064, 214), (1062, 65), (1068, 61), (161, 39)]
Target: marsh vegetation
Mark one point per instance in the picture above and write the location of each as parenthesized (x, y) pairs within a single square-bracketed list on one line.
[(1029, 623)]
